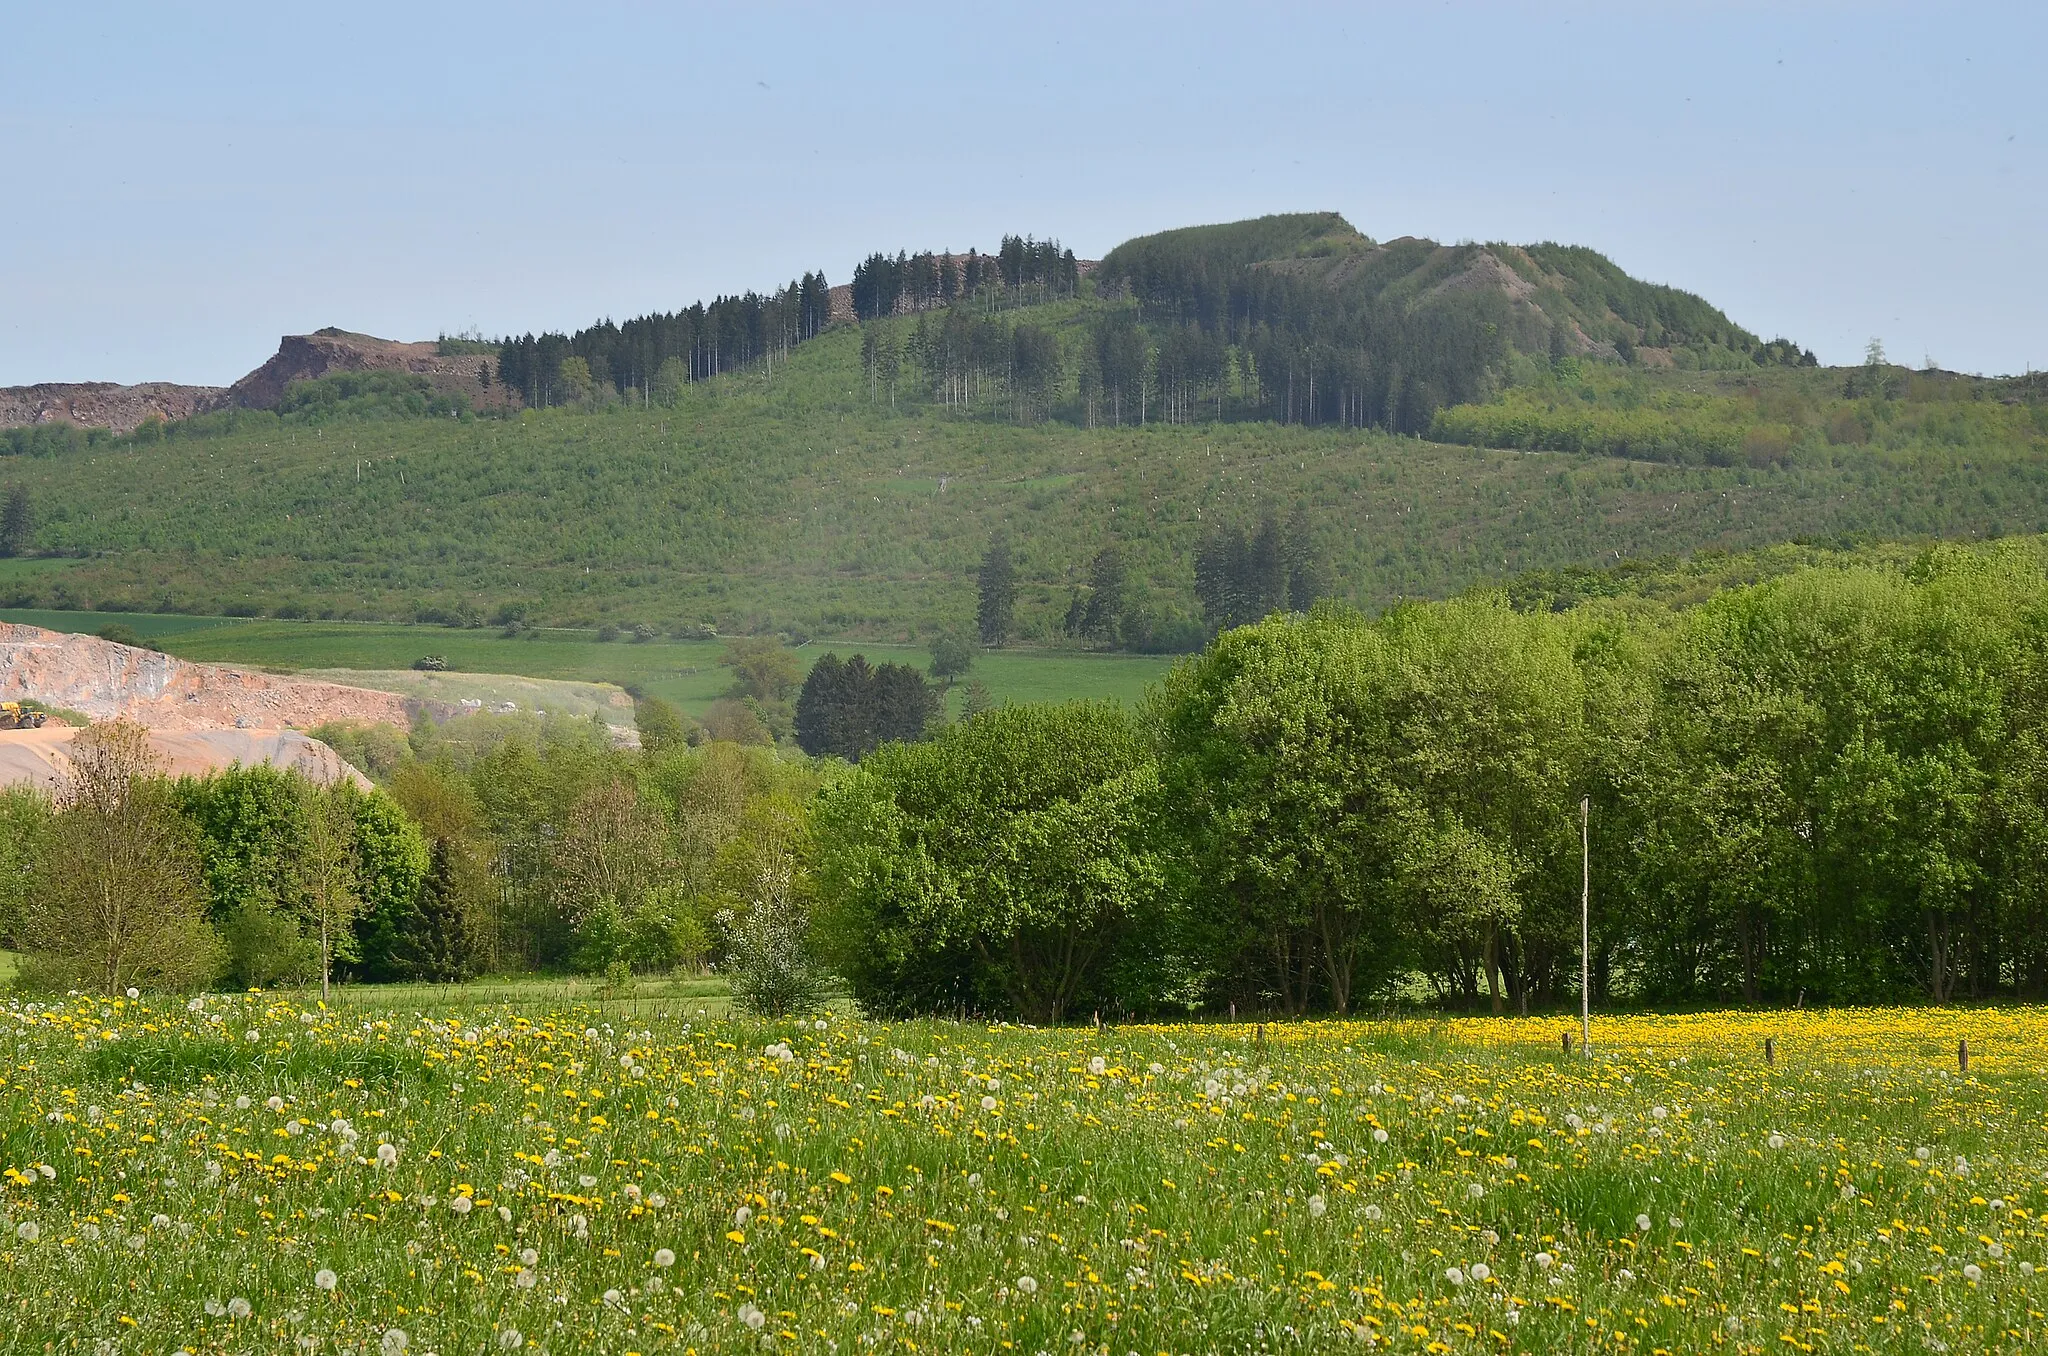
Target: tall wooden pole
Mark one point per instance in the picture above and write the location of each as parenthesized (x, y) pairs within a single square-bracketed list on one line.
[(1585, 925)]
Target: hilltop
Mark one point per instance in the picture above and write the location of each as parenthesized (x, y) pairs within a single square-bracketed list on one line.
[(448, 368)]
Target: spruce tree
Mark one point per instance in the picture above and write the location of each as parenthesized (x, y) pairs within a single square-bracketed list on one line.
[(1105, 595), (436, 941), (821, 708), (1306, 580), (995, 612), (901, 706), (17, 521)]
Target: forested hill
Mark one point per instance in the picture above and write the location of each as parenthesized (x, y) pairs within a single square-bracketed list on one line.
[(1349, 330), (853, 490), (1138, 432)]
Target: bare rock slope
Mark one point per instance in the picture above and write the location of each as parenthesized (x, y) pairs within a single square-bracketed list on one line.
[(42, 758), (304, 357), (110, 681), (299, 357), (103, 404)]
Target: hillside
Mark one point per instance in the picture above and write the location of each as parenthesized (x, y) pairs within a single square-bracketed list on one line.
[(798, 502), (846, 482)]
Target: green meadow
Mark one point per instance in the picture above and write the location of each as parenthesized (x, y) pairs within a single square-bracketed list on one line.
[(688, 673)]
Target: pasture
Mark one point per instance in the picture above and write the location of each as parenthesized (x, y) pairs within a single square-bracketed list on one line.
[(688, 673), (484, 1170)]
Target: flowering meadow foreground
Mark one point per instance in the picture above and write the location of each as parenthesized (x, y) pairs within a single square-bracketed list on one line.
[(243, 1174)]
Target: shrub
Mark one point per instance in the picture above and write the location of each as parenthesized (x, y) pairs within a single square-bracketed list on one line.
[(768, 958)]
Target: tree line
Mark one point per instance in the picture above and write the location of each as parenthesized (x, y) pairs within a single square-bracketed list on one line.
[(656, 353), (1240, 576), (490, 844), (1023, 268), (1828, 787), (1832, 787), (1342, 331)]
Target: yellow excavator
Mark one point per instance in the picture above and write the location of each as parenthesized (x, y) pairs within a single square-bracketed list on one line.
[(21, 716)]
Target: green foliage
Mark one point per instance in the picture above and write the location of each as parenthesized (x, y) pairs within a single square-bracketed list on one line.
[(437, 946), (765, 912), (1829, 783), (24, 823), (17, 521), (849, 709), (952, 656), (117, 899), (123, 634), (48, 440), (1795, 421), (264, 947), (812, 511), (763, 670), (662, 727), (372, 748), (995, 584), (1004, 863), (389, 858), (368, 395)]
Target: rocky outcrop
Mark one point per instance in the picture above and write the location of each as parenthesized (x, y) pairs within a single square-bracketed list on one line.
[(299, 357), (110, 681), (103, 404), (304, 357), (42, 758)]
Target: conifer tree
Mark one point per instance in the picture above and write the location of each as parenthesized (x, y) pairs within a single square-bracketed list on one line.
[(17, 521), (996, 608), (1105, 595), (436, 939)]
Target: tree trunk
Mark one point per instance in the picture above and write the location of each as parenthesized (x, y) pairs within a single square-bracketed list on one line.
[(1937, 957), (1491, 963)]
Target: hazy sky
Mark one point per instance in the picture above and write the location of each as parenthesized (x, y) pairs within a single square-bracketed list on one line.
[(183, 184)]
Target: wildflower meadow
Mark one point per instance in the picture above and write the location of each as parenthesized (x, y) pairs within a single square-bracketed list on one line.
[(255, 1174)]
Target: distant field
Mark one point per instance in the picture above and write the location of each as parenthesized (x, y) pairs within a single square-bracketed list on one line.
[(687, 673)]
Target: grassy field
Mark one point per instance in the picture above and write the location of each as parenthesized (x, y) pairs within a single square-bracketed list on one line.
[(215, 1177), (685, 672)]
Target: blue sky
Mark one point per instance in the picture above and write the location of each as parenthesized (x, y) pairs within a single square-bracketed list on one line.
[(186, 183)]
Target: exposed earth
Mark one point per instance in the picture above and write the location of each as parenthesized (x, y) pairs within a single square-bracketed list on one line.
[(299, 357), (105, 680), (41, 758)]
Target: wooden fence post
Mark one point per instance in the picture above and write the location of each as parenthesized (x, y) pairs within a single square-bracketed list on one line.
[(1567, 1042), (1770, 1050), (1963, 1054)]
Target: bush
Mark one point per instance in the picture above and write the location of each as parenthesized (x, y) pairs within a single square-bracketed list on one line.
[(264, 947), (768, 958), (662, 727), (123, 634)]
